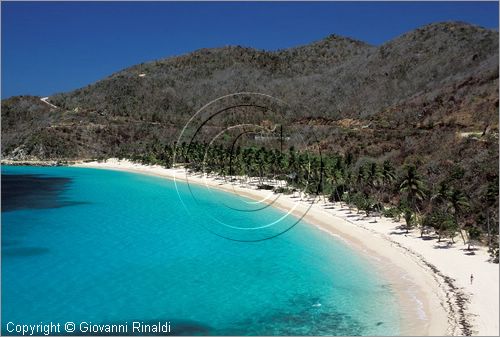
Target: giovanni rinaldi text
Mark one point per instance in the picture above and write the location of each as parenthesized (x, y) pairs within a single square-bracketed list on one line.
[(52, 328)]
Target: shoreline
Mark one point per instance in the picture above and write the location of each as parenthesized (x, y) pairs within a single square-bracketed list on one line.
[(431, 281)]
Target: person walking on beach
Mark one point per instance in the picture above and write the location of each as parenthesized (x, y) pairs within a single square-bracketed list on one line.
[(471, 278)]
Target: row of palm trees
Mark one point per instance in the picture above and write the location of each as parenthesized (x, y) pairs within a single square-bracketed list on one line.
[(377, 188)]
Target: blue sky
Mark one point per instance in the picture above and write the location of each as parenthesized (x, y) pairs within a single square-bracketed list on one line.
[(54, 47)]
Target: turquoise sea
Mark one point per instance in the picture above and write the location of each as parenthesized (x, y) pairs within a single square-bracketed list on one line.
[(109, 247)]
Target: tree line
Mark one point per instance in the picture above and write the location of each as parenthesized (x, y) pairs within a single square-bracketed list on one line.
[(379, 188)]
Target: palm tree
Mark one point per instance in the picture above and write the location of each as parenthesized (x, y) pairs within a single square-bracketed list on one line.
[(442, 195), (440, 202), (414, 188), (388, 175), (490, 200), (361, 177), (374, 180), (458, 201), (335, 177), (349, 179)]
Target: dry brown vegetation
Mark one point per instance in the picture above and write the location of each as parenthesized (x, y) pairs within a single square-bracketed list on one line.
[(407, 101)]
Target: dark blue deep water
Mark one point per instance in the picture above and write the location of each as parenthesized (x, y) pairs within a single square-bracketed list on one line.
[(109, 247)]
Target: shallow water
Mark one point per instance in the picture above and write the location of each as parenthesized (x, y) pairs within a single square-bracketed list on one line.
[(111, 247)]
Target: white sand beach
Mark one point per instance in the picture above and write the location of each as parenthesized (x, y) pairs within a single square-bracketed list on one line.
[(432, 280)]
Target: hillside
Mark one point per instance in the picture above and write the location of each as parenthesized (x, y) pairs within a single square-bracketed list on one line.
[(442, 75), (428, 97)]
